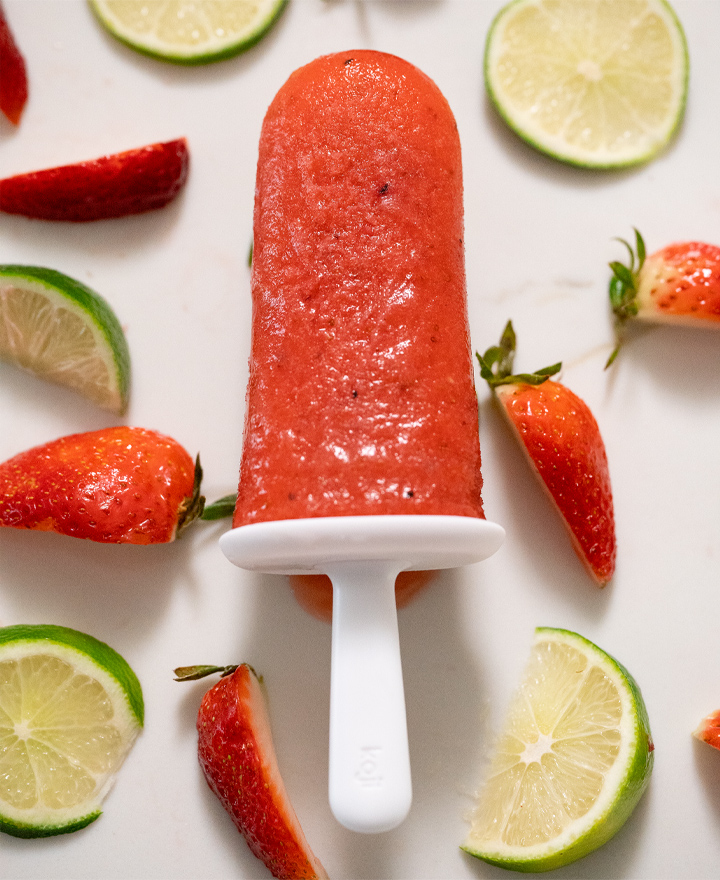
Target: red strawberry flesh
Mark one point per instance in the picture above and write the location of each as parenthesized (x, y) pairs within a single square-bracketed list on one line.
[(236, 753), (13, 75), (562, 439), (708, 731), (118, 485), (681, 281), (118, 185)]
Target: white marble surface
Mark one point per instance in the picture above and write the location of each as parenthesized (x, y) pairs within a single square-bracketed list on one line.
[(539, 237)]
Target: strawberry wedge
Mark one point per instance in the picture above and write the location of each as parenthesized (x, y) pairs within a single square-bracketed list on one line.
[(678, 284), (563, 444), (118, 485), (131, 182), (13, 75), (237, 756)]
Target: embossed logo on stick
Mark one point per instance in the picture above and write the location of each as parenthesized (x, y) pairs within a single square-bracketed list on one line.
[(368, 773)]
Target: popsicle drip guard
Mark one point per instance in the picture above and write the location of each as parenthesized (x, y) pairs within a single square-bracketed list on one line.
[(370, 787)]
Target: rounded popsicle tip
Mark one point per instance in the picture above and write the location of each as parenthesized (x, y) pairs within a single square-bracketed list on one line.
[(371, 816)]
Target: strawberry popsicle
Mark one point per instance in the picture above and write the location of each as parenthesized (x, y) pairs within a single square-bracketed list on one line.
[(361, 397), (361, 405)]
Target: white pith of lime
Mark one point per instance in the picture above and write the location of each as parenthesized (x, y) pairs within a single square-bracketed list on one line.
[(70, 710), (571, 763), (188, 31), (61, 330), (595, 83)]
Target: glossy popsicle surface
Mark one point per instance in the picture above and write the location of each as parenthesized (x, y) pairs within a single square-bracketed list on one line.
[(361, 397)]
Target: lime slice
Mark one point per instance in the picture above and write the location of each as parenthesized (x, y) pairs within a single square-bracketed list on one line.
[(572, 761), (188, 31), (596, 83), (70, 709), (61, 330)]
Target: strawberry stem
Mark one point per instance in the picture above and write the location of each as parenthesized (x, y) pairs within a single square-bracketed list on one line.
[(219, 509), (496, 365), (623, 288), (192, 507), (194, 673)]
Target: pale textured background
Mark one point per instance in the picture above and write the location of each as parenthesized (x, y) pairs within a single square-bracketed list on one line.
[(539, 237)]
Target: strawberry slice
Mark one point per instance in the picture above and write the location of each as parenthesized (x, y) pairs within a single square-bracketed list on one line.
[(237, 756), (708, 731), (679, 284), (13, 75), (563, 443), (118, 485), (118, 185)]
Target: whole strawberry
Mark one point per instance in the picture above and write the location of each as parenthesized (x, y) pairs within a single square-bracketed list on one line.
[(563, 443), (125, 183), (13, 75), (118, 485), (237, 756), (679, 284)]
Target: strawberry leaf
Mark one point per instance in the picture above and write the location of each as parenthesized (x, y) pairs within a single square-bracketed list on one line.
[(192, 507), (623, 288), (219, 509), (640, 249), (194, 673), (497, 363)]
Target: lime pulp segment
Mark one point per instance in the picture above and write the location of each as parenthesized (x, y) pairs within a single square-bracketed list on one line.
[(571, 763), (62, 331), (70, 710), (188, 31), (596, 83)]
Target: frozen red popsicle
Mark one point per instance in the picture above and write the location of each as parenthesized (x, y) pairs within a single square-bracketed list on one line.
[(361, 406), (361, 396)]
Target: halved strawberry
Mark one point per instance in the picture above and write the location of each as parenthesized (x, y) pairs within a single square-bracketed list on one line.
[(118, 485), (708, 731), (13, 75), (237, 756), (679, 284), (125, 183), (563, 443)]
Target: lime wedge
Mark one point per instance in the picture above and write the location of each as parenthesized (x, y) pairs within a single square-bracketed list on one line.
[(596, 83), (61, 330), (188, 31), (572, 761), (70, 710)]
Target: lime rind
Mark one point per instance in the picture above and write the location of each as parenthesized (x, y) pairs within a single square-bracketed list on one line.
[(96, 315), (147, 43), (28, 831), (97, 661), (100, 653), (526, 128), (622, 790)]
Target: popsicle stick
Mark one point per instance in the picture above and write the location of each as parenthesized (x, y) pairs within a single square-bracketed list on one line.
[(370, 788), (370, 784)]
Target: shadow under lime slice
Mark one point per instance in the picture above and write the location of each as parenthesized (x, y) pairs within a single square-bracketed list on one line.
[(61, 330)]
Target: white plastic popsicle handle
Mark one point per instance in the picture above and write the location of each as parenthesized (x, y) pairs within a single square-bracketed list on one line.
[(370, 787), (369, 764)]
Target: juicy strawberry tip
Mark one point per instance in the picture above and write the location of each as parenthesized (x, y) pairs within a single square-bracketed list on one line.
[(13, 75)]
